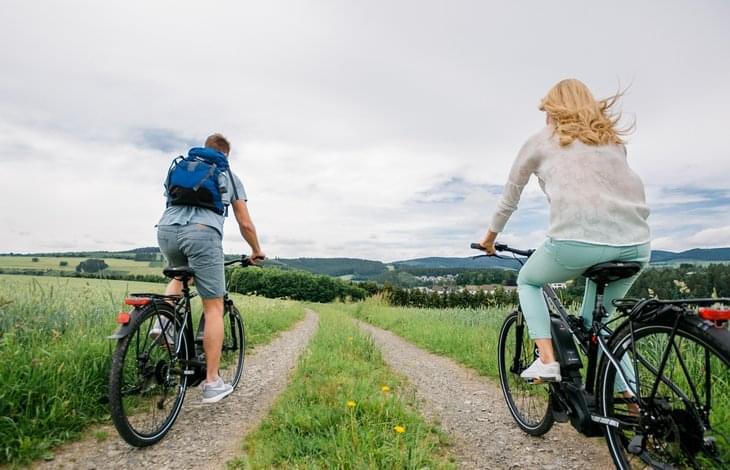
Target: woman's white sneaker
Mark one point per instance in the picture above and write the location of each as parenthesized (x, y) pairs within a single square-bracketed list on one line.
[(540, 372)]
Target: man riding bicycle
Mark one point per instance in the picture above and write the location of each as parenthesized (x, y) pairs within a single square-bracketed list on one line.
[(199, 190)]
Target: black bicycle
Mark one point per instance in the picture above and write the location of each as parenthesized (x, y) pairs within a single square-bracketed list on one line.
[(158, 357), (657, 383)]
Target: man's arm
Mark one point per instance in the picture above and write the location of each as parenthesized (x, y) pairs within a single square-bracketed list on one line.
[(247, 228)]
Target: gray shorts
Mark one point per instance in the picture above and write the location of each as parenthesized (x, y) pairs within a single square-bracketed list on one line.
[(200, 247)]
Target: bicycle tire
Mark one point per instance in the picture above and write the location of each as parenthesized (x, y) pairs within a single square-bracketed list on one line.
[(684, 439), (234, 347), (529, 404), (144, 369)]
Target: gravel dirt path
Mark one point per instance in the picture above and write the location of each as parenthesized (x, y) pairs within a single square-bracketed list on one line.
[(470, 408), (204, 436)]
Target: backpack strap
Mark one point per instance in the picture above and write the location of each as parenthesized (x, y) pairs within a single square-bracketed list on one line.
[(235, 191), (233, 183)]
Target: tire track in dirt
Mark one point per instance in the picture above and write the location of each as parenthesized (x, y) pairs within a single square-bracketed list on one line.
[(204, 436), (471, 409)]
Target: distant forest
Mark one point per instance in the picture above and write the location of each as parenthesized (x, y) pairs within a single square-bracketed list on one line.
[(684, 281), (333, 266)]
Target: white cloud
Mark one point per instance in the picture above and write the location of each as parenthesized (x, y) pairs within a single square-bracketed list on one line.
[(714, 237), (347, 119)]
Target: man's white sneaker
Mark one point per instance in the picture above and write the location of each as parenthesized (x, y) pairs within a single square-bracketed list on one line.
[(539, 372), (216, 391)]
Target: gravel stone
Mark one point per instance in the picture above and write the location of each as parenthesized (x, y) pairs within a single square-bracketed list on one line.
[(482, 430), (204, 436)]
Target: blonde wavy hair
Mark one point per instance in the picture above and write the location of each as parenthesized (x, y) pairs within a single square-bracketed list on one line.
[(576, 114)]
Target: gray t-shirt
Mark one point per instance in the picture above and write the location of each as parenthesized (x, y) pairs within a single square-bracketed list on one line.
[(184, 215)]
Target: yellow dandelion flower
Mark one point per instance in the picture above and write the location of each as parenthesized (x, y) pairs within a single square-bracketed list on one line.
[(350, 339), (385, 389), (351, 403), (399, 429)]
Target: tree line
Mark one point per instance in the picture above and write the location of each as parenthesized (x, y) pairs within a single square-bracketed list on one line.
[(500, 297), (677, 282), (297, 285)]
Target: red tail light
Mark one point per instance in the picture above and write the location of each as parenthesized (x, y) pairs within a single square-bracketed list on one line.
[(137, 301), (714, 314), (123, 318)]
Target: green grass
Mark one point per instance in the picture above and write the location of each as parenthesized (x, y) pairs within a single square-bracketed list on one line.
[(52, 263), (467, 335), (312, 426), (54, 355)]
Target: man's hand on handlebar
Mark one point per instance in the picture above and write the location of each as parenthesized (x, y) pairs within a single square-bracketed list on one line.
[(257, 256)]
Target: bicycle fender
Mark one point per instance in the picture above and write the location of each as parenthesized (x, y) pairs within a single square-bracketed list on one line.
[(122, 332)]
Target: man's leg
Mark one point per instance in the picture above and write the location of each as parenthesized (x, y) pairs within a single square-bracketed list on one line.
[(174, 287), (204, 249), (213, 338)]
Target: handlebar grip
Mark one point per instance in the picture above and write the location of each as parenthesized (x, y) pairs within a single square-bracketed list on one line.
[(477, 246), (500, 246)]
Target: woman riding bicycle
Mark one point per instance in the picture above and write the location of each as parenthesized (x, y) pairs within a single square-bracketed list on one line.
[(598, 210)]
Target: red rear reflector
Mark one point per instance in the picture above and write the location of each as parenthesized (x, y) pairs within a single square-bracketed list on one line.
[(137, 301), (714, 314), (123, 318)]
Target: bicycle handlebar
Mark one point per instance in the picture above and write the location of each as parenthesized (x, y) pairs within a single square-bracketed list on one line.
[(504, 247), (244, 260)]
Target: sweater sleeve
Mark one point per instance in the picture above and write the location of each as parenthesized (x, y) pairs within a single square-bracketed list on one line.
[(523, 167)]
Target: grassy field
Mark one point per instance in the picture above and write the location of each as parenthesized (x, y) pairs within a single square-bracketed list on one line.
[(344, 409), (52, 263), (54, 354), (466, 335)]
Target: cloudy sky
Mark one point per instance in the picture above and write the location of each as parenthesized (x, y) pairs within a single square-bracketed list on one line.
[(378, 129)]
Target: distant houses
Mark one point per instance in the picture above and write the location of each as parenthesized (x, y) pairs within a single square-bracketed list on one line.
[(472, 289)]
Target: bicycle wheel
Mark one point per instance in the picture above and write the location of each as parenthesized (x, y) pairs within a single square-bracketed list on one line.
[(234, 344), (686, 422), (146, 383), (529, 404)]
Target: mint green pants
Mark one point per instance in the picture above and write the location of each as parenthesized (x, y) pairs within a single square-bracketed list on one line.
[(562, 260)]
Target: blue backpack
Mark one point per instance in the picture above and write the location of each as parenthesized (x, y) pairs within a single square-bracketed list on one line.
[(199, 180)]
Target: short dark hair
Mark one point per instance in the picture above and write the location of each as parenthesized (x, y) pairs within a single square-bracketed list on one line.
[(218, 142)]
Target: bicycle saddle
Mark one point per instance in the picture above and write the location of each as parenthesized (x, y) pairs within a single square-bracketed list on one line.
[(603, 273), (185, 272)]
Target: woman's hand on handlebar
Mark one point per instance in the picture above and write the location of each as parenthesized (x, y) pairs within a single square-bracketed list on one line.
[(487, 242)]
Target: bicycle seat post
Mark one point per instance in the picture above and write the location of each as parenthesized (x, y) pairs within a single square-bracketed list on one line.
[(599, 311)]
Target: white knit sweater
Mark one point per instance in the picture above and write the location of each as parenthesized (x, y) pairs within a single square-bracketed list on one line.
[(594, 196)]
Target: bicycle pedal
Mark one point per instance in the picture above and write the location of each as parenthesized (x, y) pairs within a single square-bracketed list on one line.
[(540, 381)]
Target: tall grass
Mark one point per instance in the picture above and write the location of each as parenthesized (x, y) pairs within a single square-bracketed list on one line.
[(466, 335), (336, 413), (54, 355)]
